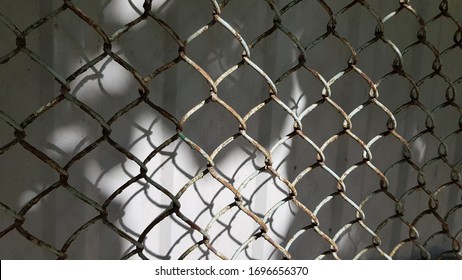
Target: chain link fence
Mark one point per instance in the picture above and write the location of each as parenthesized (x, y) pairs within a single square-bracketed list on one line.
[(353, 140)]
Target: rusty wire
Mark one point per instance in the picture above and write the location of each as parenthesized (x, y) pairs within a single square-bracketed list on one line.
[(314, 224)]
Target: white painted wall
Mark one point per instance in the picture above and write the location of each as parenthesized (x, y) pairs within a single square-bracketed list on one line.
[(66, 43)]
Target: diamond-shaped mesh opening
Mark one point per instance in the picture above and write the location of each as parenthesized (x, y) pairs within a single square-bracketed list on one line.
[(14, 246), (149, 34), (97, 90), (84, 44), (9, 38), (97, 241), (240, 15), (93, 176), (109, 15), (23, 79), (174, 12), (63, 131), (17, 193), (66, 212), (23, 18)]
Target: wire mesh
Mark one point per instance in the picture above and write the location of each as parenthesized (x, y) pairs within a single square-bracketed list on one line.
[(442, 211)]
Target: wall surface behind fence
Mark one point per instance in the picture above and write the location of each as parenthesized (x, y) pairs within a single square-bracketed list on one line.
[(185, 140)]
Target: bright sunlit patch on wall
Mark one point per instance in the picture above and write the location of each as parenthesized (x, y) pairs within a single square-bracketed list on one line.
[(124, 11), (66, 138)]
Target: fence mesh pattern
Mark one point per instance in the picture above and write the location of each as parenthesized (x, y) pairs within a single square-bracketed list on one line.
[(441, 213)]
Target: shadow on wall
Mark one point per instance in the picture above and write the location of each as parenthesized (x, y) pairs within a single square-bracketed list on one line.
[(67, 43)]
